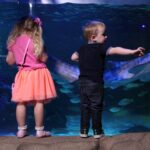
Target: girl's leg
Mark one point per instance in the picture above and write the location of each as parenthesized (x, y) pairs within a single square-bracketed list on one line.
[(21, 114), (21, 120), (39, 115)]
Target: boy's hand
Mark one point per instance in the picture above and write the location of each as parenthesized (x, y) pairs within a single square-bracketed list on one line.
[(139, 51), (75, 57)]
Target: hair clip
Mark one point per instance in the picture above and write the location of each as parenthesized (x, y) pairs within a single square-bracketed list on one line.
[(38, 21)]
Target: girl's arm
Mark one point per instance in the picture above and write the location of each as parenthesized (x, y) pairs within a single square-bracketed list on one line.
[(43, 57), (123, 51), (10, 58), (75, 57)]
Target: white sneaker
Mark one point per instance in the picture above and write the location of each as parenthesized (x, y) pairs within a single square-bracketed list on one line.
[(98, 136), (83, 135)]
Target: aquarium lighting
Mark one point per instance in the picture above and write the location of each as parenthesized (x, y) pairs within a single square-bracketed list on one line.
[(45, 1), (143, 26)]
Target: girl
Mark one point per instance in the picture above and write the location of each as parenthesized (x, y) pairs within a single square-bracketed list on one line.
[(33, 82)]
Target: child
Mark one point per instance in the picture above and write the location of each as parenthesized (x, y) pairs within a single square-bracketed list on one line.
[(91, 57), (33, 82)]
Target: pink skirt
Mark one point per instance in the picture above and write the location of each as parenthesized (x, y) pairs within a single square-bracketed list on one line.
[(33, 85)]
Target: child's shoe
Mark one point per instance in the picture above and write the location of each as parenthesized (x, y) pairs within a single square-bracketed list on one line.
[(22, 131), (40, 132), (97, 134), (84, 133)]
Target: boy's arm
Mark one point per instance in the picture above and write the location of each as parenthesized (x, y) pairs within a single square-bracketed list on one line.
[(10, 59), (123, 51), (75, 57)]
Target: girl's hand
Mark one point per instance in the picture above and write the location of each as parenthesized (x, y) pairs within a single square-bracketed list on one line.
[(10, 59), (43, 57), (139, 51)]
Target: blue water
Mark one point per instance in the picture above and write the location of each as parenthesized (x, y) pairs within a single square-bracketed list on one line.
[(126, 108)]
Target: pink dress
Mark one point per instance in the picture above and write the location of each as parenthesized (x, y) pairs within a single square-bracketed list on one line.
[(33, 81)]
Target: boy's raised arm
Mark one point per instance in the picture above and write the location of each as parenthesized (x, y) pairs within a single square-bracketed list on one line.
[(123, 51)]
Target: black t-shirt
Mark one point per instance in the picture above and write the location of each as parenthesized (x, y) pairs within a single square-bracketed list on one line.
[(91, 61)]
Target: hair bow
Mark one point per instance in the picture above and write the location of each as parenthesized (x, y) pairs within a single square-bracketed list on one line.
[(38, 21)]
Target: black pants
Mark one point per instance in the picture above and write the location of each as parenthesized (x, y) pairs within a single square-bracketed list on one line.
[(91, 96)]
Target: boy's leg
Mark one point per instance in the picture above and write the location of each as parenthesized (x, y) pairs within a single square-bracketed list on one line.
[(97, 123), (96, 98), (21, 119), (85, 119), (39, 114), (85, 110)]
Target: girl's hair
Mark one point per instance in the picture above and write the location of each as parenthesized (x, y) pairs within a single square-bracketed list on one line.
[(91, 28), (30, 26), (16, 31)]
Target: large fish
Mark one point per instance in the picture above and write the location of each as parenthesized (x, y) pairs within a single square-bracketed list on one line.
[(118, 74), (127, 71)]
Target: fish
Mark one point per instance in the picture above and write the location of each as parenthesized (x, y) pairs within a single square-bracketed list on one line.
[(125, 101), (114, 109), (120, 73)]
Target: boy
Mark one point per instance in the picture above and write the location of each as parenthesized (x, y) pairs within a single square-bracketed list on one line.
[(91, 58)]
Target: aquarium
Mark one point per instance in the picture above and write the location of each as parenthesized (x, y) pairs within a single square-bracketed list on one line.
[(127, 79)]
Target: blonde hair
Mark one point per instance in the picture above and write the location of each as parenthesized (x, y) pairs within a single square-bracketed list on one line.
[(92, 28), (30, 26), (16, 31)]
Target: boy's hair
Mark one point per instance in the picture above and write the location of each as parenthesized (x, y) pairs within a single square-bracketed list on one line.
[(28, 25), (91, 28)]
